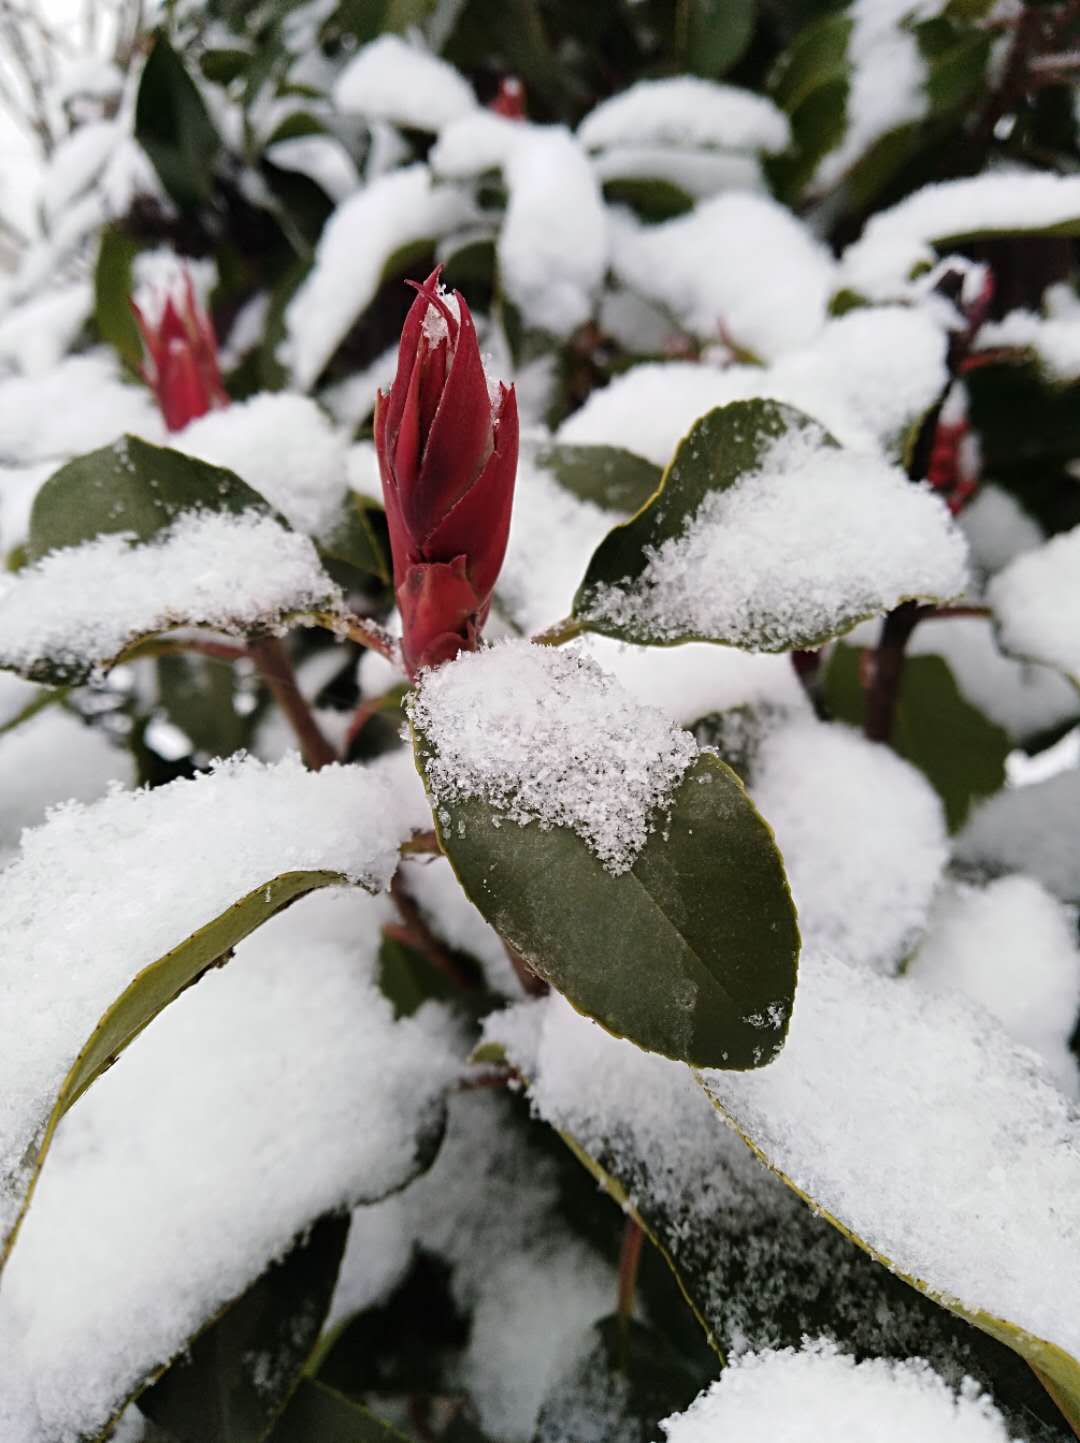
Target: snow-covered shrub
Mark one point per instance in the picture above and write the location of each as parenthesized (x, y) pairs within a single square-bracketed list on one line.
[(542, 572)]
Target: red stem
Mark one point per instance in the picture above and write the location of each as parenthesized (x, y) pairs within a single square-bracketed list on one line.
[(276, 669)]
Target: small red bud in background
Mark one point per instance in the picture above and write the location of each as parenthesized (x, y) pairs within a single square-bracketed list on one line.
[(509, 99), (447, 448), (182, 359), (953, 467)]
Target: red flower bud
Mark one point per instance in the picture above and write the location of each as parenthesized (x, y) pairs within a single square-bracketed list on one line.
[(182, 359), (509, 99), (448, 448)]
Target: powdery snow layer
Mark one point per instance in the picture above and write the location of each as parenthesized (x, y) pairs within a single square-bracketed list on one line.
[(79, 405), (395, 210), (685, 110), (910, 1117), (998, 528), (35, 335), (819, 1394), (544, 736), (54, 757), (83, 605), (897, 241), (553, 535), (1036, 603), (868, 377), (1012, 948), (284, 447), (1030, 829), (1055, 340), (552, 246), (862, 835), (490, 1207), (391, 79), (101, 891), (813, 541), (175, 1181), (740, 267)]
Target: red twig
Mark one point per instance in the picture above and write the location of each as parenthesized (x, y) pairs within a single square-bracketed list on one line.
[(276, 669)]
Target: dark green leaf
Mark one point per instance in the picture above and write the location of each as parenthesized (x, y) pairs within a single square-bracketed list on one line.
[(223, 66), (112, 291), (717, 33), (130, 486), (198, 694), (961, 753), (409, 979), (691, 953), (619, 1391), (174, 128), (318, 1414), (816, 57), (652, 197), (608, 476), (353, 540), (241, 1369)]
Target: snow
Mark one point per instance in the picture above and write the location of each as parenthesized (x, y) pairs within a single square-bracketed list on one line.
[(697, 173), (1055, 340), (35, 335), (75, 940), (360, 238), (868, 377), (82, 606), (552, 248), (1029, 829), (77, 406), (352, 400), (740, 266), (998, 528), (390, 79), (53, 757), (796, 551), (1011, 947), (284, 447), (686, 111), (76, 164), (19, 486), (819, 1393), (553, 535), (688, 682), (170, 1187), (490, 1207), (888, 75), (1021, 696), (863, 873), (899, 240), (910, 1117), (1036, 603), (543, 735), (322, 157)]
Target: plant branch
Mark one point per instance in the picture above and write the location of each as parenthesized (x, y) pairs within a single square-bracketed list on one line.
[(888, 668), (421, 844), (415, 932), (361, 630), (276, 669), (629, 1258)]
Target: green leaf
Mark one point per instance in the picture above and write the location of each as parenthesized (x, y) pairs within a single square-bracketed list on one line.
[(148, 994), (352, 538), (198, 694), (755, 1266), (408, 979), (318, 1414), (960, 752), (1056, 1370), (133, 486), (816, 57), (691, 953), (240, 1371), (724, 448), (608, 476), (716, 34), (652, 197), (174, 128), (113, 286)]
